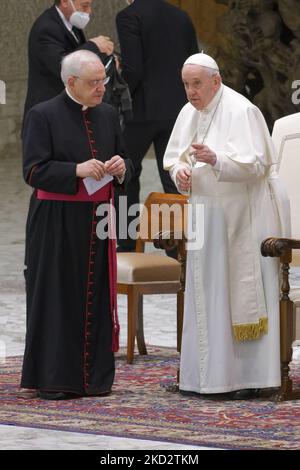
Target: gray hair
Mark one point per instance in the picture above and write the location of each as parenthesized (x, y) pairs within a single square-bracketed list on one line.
[(72, 63), (210, 72)]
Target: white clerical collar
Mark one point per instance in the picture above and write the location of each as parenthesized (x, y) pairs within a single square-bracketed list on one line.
[(84, 107), (66, 22), (213, 103)]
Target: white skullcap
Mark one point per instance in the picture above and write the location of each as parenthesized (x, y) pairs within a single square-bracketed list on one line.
[(202, 59)]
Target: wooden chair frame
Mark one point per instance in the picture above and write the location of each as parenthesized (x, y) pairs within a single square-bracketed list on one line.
[(136, 290), (282, 248)]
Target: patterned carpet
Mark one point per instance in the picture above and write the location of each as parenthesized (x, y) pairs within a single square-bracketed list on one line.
[(140, 407)]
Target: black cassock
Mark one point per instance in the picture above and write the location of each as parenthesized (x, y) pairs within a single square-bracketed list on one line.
[(69, 323)]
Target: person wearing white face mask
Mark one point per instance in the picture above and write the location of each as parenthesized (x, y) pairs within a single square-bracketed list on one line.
[(57, 32), (79, 19)]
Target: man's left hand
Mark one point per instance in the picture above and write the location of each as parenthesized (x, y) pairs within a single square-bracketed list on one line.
[(115, 166), (202, 153), (104, 44)]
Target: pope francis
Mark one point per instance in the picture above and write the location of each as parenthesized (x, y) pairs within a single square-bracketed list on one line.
[(221, 153)]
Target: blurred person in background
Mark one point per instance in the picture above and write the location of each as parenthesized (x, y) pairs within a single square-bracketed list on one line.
[(155, 39), (57, 32)]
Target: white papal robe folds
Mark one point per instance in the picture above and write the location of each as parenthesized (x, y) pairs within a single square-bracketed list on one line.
[(231, 316)]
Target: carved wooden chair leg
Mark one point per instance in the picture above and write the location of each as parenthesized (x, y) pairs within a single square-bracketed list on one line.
[(140, 328), (286, 332), (132, 314), (282, 248)]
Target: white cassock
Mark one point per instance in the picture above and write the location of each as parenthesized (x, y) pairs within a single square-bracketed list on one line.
[(231, 314)]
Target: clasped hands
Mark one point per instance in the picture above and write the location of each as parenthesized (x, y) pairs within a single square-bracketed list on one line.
[(97, 169), (201, 153)]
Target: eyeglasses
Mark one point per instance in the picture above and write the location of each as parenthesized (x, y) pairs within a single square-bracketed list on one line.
[(94, 83)]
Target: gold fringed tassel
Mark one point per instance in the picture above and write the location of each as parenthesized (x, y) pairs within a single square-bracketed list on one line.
[(250, 331)]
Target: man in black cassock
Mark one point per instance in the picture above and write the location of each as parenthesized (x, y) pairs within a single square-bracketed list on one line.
[(72, 325)]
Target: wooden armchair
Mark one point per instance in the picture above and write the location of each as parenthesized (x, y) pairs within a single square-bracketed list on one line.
[(286, 138), (282, 248), (142, 273)]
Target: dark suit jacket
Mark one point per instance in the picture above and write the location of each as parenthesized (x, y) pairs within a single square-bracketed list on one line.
[(155, 38), (49, 42)]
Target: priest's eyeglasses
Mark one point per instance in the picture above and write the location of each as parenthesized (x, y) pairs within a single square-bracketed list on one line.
[(94, 83)]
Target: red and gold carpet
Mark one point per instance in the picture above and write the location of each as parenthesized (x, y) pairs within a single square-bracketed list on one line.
[(140, 407)]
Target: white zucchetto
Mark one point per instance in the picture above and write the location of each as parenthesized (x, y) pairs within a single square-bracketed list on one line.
[(202, 59)]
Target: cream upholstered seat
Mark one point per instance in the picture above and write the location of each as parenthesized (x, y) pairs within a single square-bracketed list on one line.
[(142, 273), (286, 138), (140, 267)]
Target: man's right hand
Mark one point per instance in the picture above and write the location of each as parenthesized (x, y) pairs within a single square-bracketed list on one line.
[(184, 180), (104, 44), (93, 168)]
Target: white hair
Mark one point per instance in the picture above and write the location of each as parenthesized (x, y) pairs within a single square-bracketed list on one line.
[(209, 71), (72, 63)]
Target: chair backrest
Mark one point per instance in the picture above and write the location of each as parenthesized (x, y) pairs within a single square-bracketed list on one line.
[(286, 138), (162, 213)]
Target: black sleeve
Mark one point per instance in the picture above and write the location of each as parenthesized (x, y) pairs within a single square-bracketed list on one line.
[(120, 150), (40, 170), (191, 36), (92, 47), (50, 48), (131, 49)]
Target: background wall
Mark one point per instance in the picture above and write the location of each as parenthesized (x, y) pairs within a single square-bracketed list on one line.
[(256, 42), (205, 15), (17, 18), (257, 46)]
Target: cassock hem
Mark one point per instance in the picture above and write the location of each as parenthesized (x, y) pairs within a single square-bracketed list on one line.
[(234, 388), (52, 388)]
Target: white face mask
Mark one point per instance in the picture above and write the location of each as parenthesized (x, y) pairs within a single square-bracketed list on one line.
[(79, 19)]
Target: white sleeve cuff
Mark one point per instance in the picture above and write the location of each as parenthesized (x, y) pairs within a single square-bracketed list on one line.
[(218, 164), (121, 179)]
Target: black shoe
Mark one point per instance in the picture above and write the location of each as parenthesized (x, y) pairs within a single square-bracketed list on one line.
[(104, 394), (246, 394), (48, 395), (209, 396), (99, 394)]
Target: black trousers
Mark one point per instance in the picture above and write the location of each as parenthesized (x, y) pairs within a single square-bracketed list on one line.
[(138, 138)]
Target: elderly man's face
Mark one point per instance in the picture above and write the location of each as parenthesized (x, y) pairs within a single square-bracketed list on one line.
[(200, 87), (79, 5), (88, 88)]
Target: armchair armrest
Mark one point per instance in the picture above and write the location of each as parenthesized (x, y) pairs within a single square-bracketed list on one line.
[(278, 247)]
